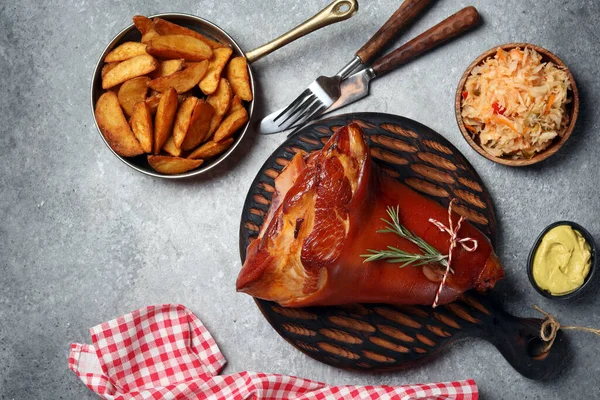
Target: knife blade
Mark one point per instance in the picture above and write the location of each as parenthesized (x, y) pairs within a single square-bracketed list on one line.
[(353, 88)]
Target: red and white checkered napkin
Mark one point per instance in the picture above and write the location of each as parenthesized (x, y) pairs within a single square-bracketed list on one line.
[(164, 352)]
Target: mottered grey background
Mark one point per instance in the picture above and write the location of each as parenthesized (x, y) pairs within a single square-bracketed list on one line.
[(84, 238)]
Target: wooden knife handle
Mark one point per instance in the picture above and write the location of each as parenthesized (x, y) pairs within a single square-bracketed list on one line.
[(449, 28), (401, 19)]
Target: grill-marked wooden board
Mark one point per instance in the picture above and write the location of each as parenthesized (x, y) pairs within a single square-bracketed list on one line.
[(377, 337)]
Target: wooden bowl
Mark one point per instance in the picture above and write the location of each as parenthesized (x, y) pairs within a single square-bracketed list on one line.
[(572, 108)]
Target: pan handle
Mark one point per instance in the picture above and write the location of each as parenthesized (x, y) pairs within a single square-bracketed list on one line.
[(338, 10)]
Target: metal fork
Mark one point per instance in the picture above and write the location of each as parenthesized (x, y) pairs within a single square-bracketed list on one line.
[(319, 95), (325, 90)]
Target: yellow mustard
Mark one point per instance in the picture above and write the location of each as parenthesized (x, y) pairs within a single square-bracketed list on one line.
[(562, 260)]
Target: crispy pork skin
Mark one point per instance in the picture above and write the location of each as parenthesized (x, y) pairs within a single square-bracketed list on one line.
[(325, 213)]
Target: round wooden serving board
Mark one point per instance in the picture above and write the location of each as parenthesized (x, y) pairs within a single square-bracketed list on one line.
[(379, 337)]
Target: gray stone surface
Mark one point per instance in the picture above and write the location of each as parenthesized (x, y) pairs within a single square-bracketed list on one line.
[(84, 238)]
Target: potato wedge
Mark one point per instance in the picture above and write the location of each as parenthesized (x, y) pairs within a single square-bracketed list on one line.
[(143, 23), (236, 104), (153, 101), (215, 122), (187, 64), (231, 124), (169, 147), (181, 81), (168, 67), (132, 92), (114, 126), (128, 69), (199, 125), (179, 46), (126, 51), (220, 100), (107, 67), (163, 120), (172, 165), (237, 74), (165, 27), (217, 63), (146, 28), (142, 126), (211, 149), (183, 120)]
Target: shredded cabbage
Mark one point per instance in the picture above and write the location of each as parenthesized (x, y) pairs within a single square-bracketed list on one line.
[(516, 103)]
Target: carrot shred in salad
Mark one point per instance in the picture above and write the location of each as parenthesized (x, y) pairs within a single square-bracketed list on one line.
[(516, 103)]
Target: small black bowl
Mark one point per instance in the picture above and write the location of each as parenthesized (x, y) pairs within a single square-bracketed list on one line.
[(587, 236)]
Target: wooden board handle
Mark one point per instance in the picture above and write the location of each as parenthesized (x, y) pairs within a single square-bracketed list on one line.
[(403, 16), (518, 339), (449, 28)]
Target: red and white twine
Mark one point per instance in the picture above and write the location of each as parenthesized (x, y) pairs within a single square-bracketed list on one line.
[(454, 240)]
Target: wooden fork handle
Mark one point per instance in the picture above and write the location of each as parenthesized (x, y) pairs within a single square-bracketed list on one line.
[(401, 19), (449, 28)]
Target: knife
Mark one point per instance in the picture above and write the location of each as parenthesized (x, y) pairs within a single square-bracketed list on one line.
[(356, 86), (323, 92)]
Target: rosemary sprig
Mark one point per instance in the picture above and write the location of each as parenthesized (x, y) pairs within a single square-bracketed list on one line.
[(395, 255)]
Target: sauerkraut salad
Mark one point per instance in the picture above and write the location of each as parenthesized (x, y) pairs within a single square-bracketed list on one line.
[(515, 103)]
